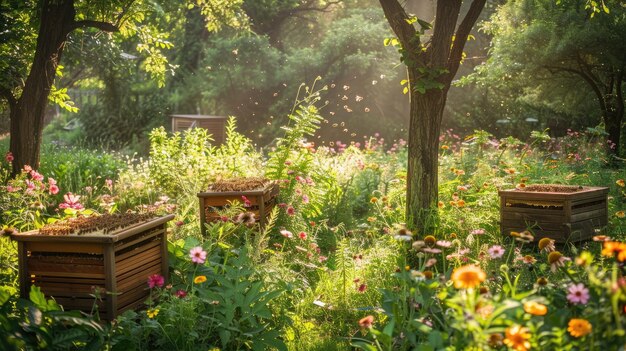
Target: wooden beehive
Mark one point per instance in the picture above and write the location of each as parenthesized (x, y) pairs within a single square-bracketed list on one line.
[(70, 267), (262, 201), (569, 214), (216, 125)]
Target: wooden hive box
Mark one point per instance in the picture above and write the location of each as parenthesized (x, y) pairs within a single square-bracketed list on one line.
[(569, 214), (69, 267), (216, 125), (262, 201)]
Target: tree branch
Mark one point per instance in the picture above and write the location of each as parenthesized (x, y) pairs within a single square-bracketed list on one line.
[(399, 22), (594, 86), (103, 26), (445, 21), (462, 33)]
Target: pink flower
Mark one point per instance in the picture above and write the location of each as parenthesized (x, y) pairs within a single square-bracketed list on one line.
[(496, 251), (305, 199), (362, 288), (479, 231), (9, 157), (71, 201), (108, 183), (36, 175), (443, 243), (578, 294), (156, 280), (30, 185), (246, 202), (179, 223), (181, 293), (51, 181), (302, 235), (53, 189), (291, 211), (197, 254), (322, 259), (287, 234), (12, 189)]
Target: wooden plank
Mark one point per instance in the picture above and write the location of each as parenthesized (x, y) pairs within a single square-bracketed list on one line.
[(137, 260), (140, 271), (110, 283), (165, 267), (60, 268), (139, 239), (588, 215), (45, 273), (532, 210), (83, 304), (67, 280), (602, 205), (24, 274), (548, 217), (144, 227), (72, 247), (120, 256)]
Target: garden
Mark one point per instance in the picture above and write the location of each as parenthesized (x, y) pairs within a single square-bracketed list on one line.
[(326, 228)]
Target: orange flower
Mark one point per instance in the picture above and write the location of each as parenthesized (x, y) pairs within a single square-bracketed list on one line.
[(535, 308), (517, 338), (460, 203), (366, 322), (620, 182), (467, 277), (446, 147), (613, 248), (374, 200), (199, 279), (620, 214), (579, 327), (440, 204)]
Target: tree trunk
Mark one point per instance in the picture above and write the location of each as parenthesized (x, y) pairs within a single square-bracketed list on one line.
[(423, 157), (27, 115), (613, 123)]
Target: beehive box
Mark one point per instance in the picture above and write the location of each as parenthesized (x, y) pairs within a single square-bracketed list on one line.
[(70, 267), (262, 201), (562, 213), (216, 125)]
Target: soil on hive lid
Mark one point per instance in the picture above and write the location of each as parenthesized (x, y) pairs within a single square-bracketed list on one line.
[(552, 188), (105, 224), (239, 184)]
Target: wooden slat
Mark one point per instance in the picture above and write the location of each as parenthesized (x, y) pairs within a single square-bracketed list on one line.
[(128, 243), (71, 247), (56, 268), (582, 209), (120, 256), (145, 258), (588, 215), (64, 280), (535, 217), (83, 304), (140, 272)]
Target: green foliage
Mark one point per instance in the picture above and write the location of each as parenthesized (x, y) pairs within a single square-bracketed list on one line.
[(230, 310), (40, 324)]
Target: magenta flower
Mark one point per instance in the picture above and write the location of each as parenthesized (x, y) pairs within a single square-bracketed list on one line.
[(9, 157), (36, 175), (246, 202), (578, 294), (198, 255), (302, 235), (156, 280), (181, 293), (496, 251), (291, 211)]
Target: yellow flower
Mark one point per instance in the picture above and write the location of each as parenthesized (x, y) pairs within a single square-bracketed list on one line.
[(542, 281), (579, 327), (620, 214), (517, 338), (469, 276), (371, 219), (535, 308), (152, 312), (446, 147), (620, 182), (199, 279), (374, 200)]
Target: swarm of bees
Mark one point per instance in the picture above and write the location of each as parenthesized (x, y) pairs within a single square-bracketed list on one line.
[(98, 224)]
